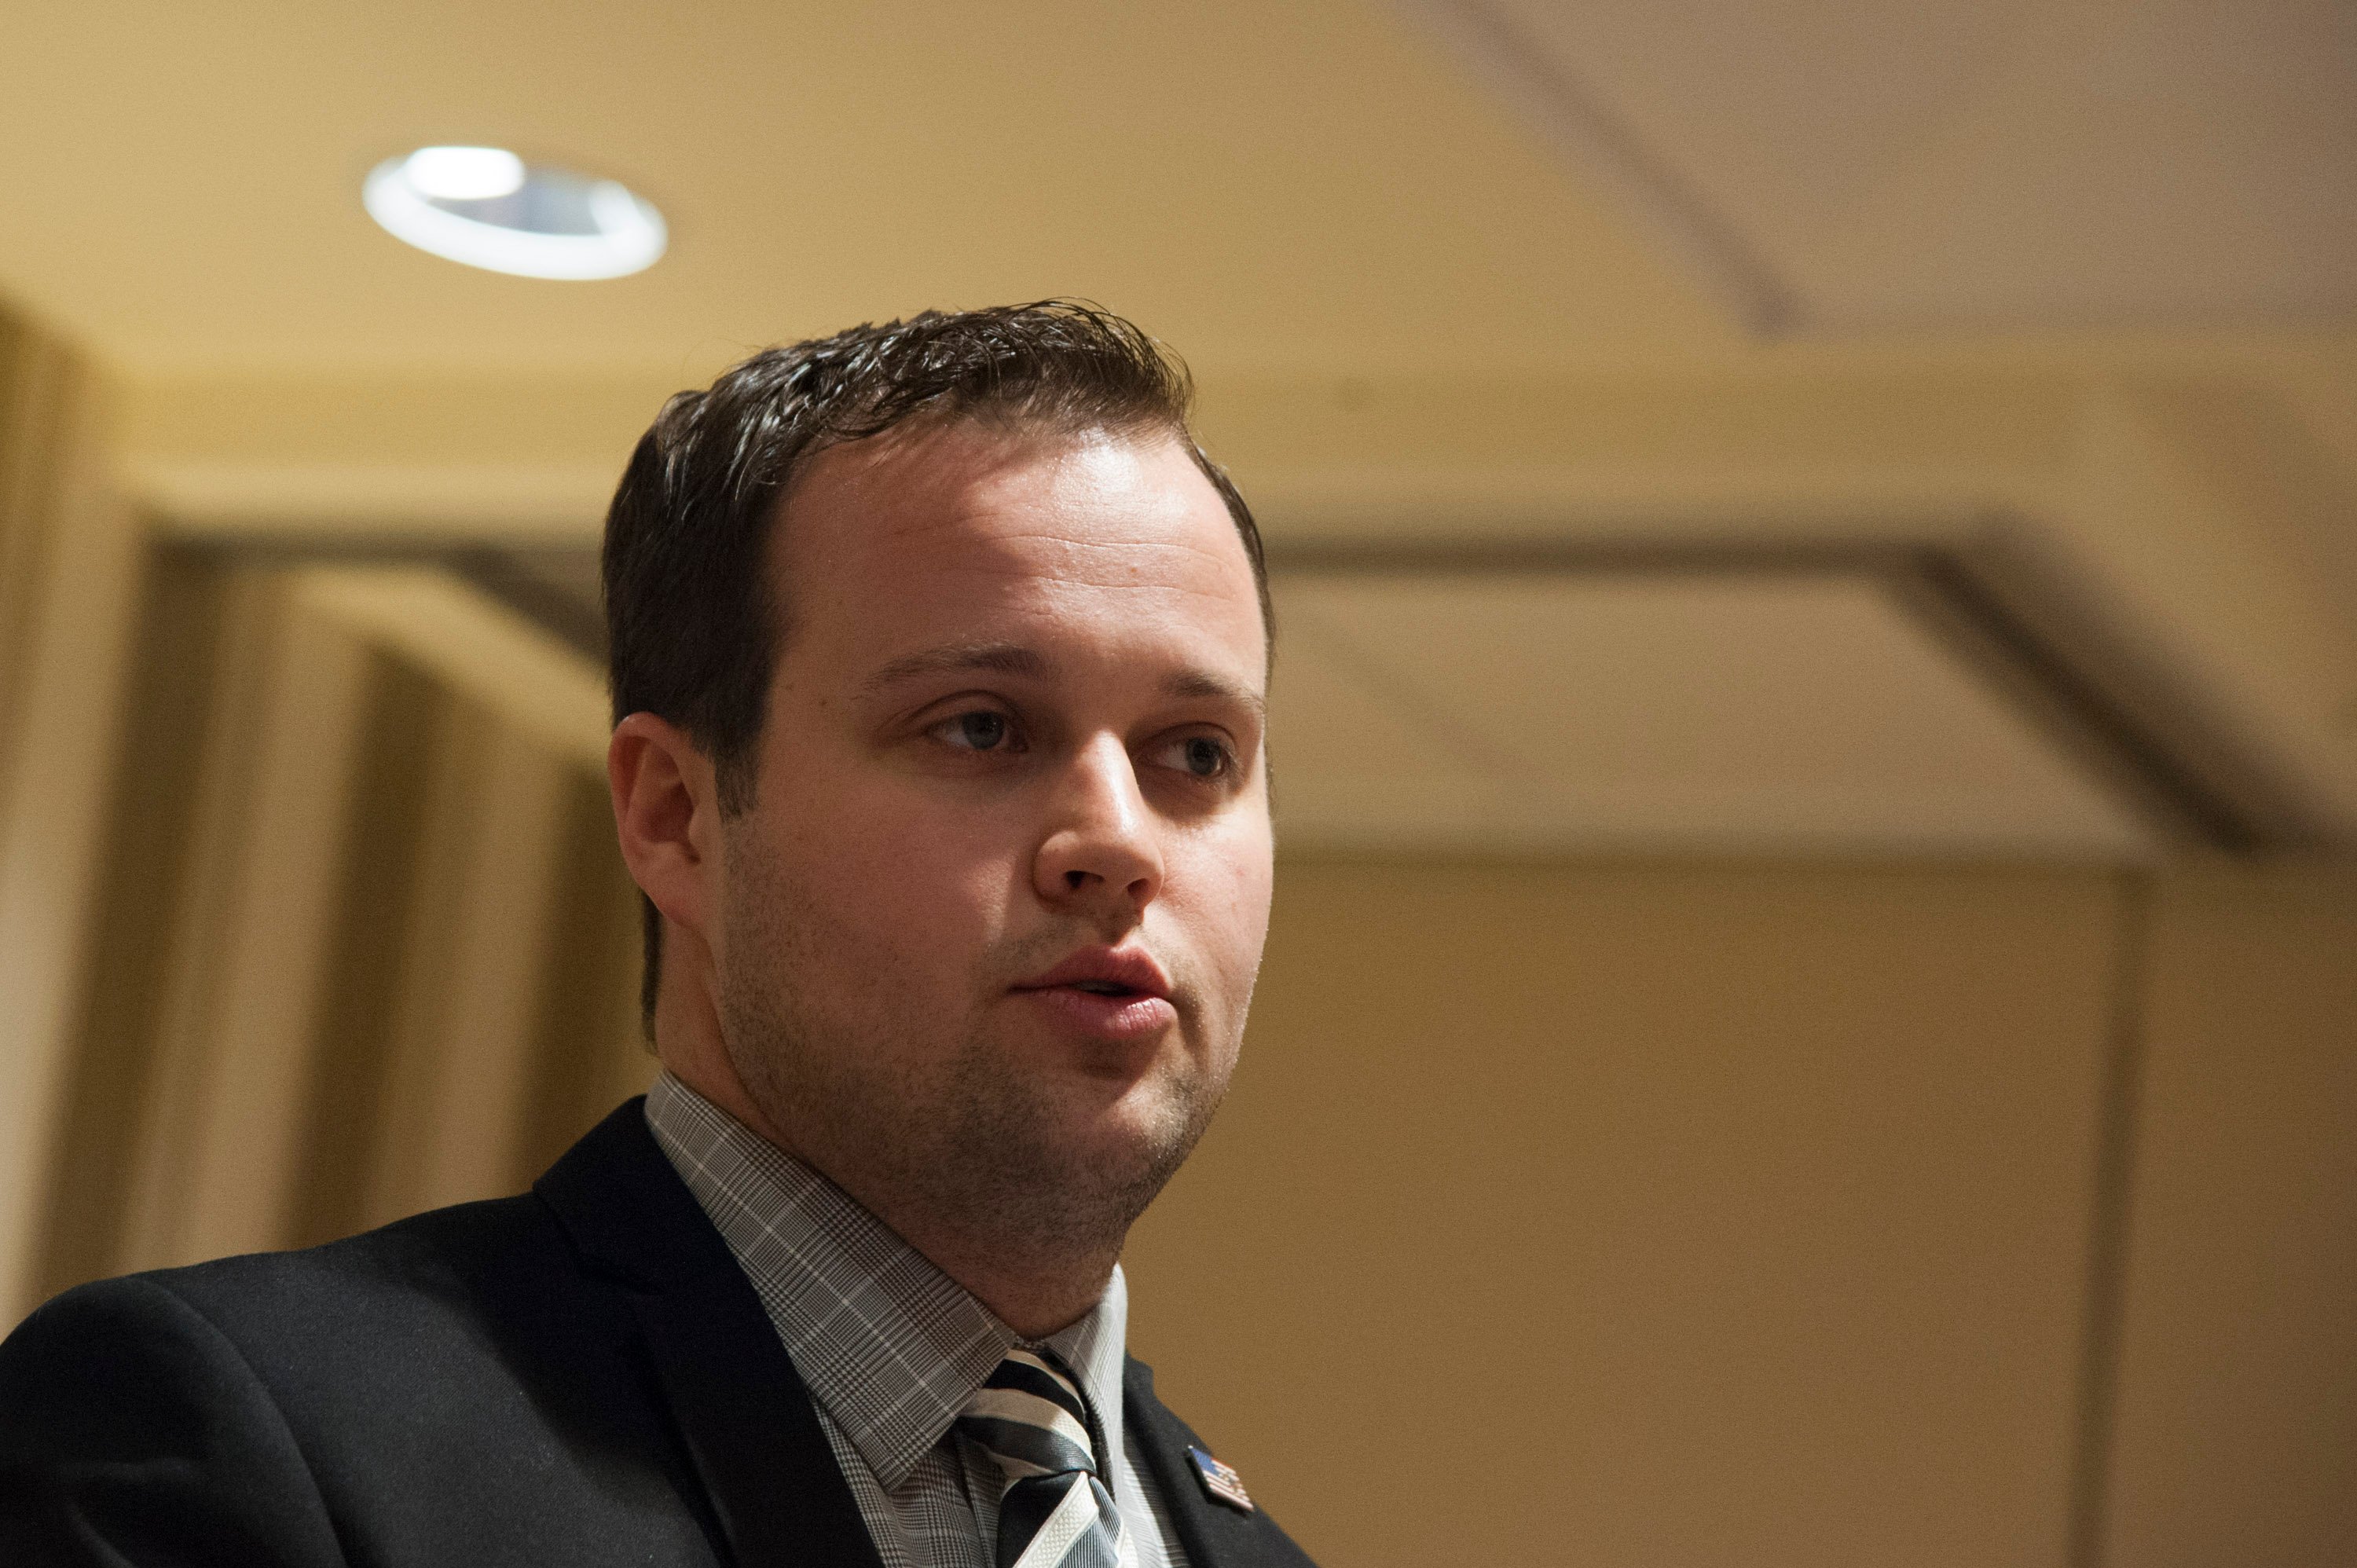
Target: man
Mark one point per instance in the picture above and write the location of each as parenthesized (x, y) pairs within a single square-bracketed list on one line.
[(939, 657)]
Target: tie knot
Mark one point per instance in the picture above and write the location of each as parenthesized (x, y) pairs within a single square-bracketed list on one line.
[(1032, 1418)]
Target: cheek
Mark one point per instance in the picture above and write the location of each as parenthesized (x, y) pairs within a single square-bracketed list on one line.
[(898, 879), (1227, 907)]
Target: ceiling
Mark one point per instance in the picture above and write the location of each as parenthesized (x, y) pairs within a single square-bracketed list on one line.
[(1479, 185), (2009, 164), (1743, 713), (1264, 185)]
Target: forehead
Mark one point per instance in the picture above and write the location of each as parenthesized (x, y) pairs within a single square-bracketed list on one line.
[(965, 532)]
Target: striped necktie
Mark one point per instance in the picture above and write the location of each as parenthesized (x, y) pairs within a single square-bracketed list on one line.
[(1055, 1512)]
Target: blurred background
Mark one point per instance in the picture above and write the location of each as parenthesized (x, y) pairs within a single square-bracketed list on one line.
[(1812, 1002)]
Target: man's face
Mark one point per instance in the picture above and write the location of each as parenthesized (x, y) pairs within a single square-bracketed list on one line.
[(991, 923)]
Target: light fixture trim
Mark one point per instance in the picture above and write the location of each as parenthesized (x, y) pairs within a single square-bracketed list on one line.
[(420, 198)]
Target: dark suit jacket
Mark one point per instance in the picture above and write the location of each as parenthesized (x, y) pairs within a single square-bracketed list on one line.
[(581, 1375)]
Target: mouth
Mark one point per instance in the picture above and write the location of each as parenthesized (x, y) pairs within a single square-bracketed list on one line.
[(1104, 972), (1114, 994)]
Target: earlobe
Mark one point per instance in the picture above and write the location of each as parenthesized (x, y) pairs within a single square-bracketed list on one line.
[(665, 813)]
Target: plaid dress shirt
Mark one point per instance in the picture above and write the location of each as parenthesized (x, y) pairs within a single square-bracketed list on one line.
[(890, 1347)]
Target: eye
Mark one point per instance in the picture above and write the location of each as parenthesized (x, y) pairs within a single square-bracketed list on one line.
[(1202, 757), (982, 729)]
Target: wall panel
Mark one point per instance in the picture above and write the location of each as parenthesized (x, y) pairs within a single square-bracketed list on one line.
[(69, 567), (365, 943), (2235, 1438), (174, 702), (1645, 1214)]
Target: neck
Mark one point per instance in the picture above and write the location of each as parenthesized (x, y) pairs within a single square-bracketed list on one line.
[(1035, 1296)]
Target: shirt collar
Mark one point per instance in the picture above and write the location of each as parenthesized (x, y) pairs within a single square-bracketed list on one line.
[(1094, 1348), (891, 1347)]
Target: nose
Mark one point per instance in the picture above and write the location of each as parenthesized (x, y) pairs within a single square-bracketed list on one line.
[(1101, 855)]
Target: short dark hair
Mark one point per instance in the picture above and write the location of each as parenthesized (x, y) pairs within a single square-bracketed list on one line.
[(693, 631)]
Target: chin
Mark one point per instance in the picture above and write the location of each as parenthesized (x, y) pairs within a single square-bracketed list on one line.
[(1157, 1122)]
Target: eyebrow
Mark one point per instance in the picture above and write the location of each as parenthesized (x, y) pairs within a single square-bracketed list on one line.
[(1014, 659), (1201, 684), (999, 658)]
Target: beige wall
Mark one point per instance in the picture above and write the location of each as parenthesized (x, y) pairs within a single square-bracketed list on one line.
[(1652, 1214)]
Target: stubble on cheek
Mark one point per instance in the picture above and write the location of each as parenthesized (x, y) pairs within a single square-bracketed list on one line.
[(919, 1098), (1046, 1163)]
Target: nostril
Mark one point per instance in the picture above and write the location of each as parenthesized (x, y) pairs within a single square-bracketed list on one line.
[(1076, 880)]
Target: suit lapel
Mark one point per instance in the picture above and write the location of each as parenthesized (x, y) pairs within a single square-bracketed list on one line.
[(1213, 1534), (748, 1421)]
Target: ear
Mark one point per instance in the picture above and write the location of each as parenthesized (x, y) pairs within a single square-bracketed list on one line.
[(667, 816)]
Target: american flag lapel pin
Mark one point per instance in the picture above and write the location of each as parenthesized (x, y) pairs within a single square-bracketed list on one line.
[(1221, 1481)]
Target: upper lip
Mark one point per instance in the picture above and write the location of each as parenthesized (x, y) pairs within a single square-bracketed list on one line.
[(1132, 969)]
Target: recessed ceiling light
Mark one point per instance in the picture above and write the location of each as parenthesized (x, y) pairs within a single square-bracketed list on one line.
[(463, 174), (488, 207)]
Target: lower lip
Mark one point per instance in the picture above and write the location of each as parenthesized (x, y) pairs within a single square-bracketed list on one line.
[(1106, 1018)]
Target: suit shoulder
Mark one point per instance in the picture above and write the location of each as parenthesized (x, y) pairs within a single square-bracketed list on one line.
[(131, 1429), (101, 1349), (437, 1237), (285, 1314)]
